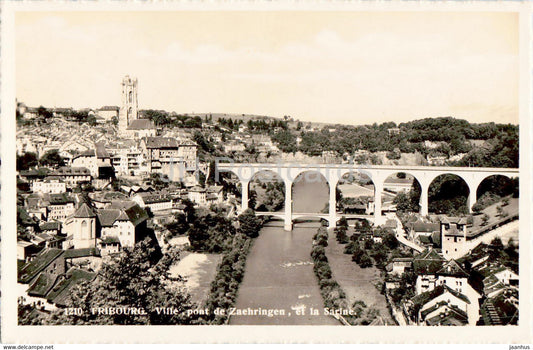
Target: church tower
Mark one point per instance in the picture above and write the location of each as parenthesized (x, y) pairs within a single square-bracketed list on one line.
[(129, 107), (85, 234)]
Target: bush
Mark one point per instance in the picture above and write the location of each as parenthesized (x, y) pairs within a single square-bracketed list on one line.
[(365, 261)]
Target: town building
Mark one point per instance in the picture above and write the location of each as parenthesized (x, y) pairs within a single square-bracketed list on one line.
[(72, 176), (97, 160), (453, 236), (108, 112), (120, 225), (156, 201), (49, 185), (397, 185), (59, 206), (442, 306), (140, 128), (168, 156)]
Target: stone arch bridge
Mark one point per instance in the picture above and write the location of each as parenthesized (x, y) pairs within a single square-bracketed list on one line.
[(377, 173)]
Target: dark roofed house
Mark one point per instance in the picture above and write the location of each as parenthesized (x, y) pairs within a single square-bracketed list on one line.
[(452, 268), (428, 262), (160, 142), (437, 302), (61, 291), (426, 265), (49, 261), (141, 124), (51, 227)]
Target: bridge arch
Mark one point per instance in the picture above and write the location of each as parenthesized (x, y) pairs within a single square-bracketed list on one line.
[(355, 192), (271, 187), (443, 188), (309, 218), (304, 205), (500, 185), (408, 184)]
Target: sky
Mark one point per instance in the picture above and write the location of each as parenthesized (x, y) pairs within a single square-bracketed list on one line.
[(335, 67)]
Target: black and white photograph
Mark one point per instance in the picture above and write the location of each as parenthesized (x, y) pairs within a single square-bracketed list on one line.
[(267, 168)]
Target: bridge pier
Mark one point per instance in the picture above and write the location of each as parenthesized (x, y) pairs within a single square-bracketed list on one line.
[(244, 195), (424, 199), (288, 206), (378, 189), (332, 204)]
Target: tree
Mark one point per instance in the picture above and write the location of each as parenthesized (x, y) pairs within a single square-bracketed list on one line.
[(159, 181), (137, 278), (343, 222), (484, 220), (26, 161), (44, 113), (341, 235), (52, 158), (249, 224), (365, 261), (477, 208), (179, 226), (390, 240), (495, 248), (80, 116)]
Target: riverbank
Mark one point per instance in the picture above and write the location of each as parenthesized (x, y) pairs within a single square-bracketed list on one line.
[(199, 271), (358, 283)]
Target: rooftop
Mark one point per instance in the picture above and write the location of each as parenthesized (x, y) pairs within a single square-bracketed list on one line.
[(161, 142), (84, 211), (42, 260), (141, 124)]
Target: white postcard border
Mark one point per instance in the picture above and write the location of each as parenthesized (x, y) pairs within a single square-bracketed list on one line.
[(12, 333)]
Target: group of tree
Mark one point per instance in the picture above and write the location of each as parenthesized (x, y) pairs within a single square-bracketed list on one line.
[(230, 123), (212, 233), (271, 197), (136, 278), (333, 295), (450, 136), (224, 288), (341, 231), (410, 201), (28, 160), (264, 125), (166, 119)]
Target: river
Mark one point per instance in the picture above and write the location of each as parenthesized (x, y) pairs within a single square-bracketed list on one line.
[(279, 273)]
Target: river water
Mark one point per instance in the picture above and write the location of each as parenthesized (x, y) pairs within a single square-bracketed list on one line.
[(279, 273)]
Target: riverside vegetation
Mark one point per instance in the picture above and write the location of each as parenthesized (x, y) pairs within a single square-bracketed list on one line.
[(332, 294)]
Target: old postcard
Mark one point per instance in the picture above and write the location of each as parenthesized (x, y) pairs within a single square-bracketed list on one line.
[(266, 172)]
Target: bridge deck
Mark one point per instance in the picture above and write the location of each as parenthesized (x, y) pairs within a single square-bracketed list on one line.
[(229, 166)]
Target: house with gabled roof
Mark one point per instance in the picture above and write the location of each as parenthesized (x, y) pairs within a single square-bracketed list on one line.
[(59, 294), (443, 303), (497, 279), (453, 275), (42, 271), (425, 266), (140, 128)]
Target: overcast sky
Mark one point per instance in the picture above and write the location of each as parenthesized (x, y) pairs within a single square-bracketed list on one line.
[(346, 67)]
